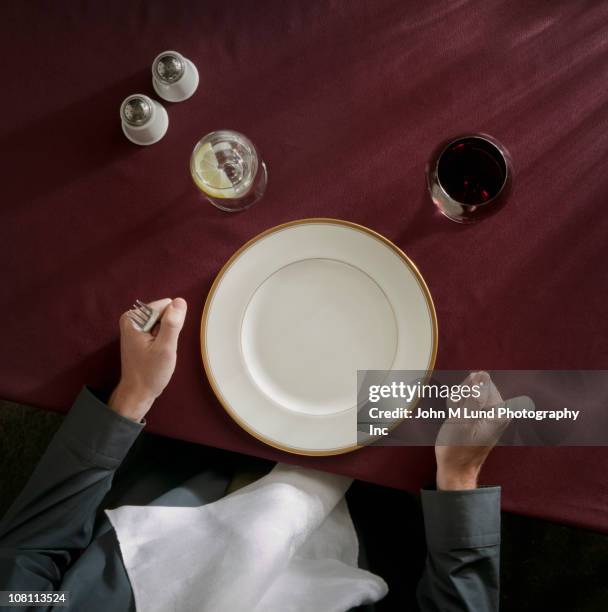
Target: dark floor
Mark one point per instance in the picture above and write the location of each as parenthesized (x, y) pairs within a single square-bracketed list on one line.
[(545, 566)]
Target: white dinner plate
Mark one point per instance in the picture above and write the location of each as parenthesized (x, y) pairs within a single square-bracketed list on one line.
[(295, 313)]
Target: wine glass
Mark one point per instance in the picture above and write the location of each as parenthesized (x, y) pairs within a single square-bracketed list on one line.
[(469, 177)]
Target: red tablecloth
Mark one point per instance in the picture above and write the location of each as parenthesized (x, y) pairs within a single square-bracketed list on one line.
[(345, 100)]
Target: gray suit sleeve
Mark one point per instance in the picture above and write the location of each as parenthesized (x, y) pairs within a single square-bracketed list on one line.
[(52, 519), (463, 540)]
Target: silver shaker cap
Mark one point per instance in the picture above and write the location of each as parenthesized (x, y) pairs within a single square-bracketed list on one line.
[(136, 110), (169, 68)]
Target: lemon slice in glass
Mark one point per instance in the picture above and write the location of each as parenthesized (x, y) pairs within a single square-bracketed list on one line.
[(208, 176)]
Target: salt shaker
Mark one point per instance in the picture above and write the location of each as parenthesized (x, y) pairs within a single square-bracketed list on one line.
[(174, 77), (144, 121)]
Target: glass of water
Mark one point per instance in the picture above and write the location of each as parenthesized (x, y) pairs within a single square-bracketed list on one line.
[(227, 168)]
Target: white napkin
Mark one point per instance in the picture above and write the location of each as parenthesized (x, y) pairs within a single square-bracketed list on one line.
[(285, 543)]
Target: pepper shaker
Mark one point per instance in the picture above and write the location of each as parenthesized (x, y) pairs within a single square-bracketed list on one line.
[(174, 77), (144, 121)]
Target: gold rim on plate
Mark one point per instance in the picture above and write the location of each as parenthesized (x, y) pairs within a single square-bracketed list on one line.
[(310, 221)]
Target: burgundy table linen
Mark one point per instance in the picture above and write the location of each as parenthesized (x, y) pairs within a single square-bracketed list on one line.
[(346, 101)]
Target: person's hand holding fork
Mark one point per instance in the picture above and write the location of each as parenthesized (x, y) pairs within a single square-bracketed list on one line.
[(147, 358)]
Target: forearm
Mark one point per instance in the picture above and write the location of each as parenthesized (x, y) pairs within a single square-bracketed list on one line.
[(54, 514), (463, 540)]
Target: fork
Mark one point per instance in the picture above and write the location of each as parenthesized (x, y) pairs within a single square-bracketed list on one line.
[(144, 316)]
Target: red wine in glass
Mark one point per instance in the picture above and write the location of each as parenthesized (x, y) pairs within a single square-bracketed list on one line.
[(468, 177)]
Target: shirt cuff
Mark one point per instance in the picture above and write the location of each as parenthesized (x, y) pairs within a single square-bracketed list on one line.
[(461, 519), (97, 433)]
